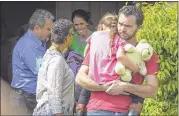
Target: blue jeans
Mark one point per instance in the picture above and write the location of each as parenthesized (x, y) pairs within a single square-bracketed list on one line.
[(105, 113)]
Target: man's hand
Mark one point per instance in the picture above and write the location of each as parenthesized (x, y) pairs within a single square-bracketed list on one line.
[(105, 86), (116, 88)]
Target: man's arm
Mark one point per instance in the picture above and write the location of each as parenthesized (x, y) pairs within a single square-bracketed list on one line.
[(147, 90), (32, 58), (123, 59), (86, 82), (151, 87)]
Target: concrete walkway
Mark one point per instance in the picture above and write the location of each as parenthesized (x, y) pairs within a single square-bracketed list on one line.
[(5, 92)]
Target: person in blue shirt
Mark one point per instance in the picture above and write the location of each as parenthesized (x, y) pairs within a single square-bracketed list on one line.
[(26, 60)]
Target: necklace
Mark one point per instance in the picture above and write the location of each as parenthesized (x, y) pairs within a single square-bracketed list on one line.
[(54, 46)]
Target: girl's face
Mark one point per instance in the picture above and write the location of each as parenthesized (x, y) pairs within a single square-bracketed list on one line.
[(81, 26)]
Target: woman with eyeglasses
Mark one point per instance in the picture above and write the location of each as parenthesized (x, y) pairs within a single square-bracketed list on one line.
[(55, 84)]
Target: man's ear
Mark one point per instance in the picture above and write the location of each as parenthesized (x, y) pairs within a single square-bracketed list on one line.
[(36, 28)]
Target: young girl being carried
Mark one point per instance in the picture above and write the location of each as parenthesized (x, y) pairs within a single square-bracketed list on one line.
[(107, 35)]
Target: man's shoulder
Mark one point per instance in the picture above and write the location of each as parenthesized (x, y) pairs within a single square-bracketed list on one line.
[(153, 59), (155, 56), (152, 65), (24, 43)]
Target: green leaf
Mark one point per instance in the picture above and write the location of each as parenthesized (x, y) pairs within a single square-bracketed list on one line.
[(176, 52), (171, 62), (167, 65), (159, 28)]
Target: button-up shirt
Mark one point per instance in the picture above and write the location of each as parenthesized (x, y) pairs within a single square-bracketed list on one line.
[(26, 60), (55, 85)]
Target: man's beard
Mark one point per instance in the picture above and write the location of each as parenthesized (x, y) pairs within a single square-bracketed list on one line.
[(131, 36)]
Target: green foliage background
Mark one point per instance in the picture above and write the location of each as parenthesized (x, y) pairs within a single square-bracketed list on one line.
[(160, 30)]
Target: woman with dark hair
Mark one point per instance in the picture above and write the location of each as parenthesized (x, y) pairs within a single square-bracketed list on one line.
[(55, 85), (81, 21)]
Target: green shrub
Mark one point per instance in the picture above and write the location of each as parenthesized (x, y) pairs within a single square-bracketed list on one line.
[(160, 29)]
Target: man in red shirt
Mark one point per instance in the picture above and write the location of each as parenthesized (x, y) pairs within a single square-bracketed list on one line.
[(111, 98)]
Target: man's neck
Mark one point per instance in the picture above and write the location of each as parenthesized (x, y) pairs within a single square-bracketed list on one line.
[(133, 41), (37, 36)]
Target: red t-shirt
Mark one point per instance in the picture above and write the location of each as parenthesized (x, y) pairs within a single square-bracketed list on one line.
[(119, 103)]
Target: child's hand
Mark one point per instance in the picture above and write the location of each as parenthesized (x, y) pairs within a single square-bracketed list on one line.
[(120, 53)]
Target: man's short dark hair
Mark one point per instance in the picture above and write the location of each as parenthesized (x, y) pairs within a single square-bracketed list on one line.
[(133, 10)]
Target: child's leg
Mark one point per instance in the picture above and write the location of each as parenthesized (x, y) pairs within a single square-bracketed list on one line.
[(82, 102), (84, 96), (137, 102)]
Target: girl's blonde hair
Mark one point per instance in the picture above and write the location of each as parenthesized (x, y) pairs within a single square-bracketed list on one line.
[(110, 21)]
